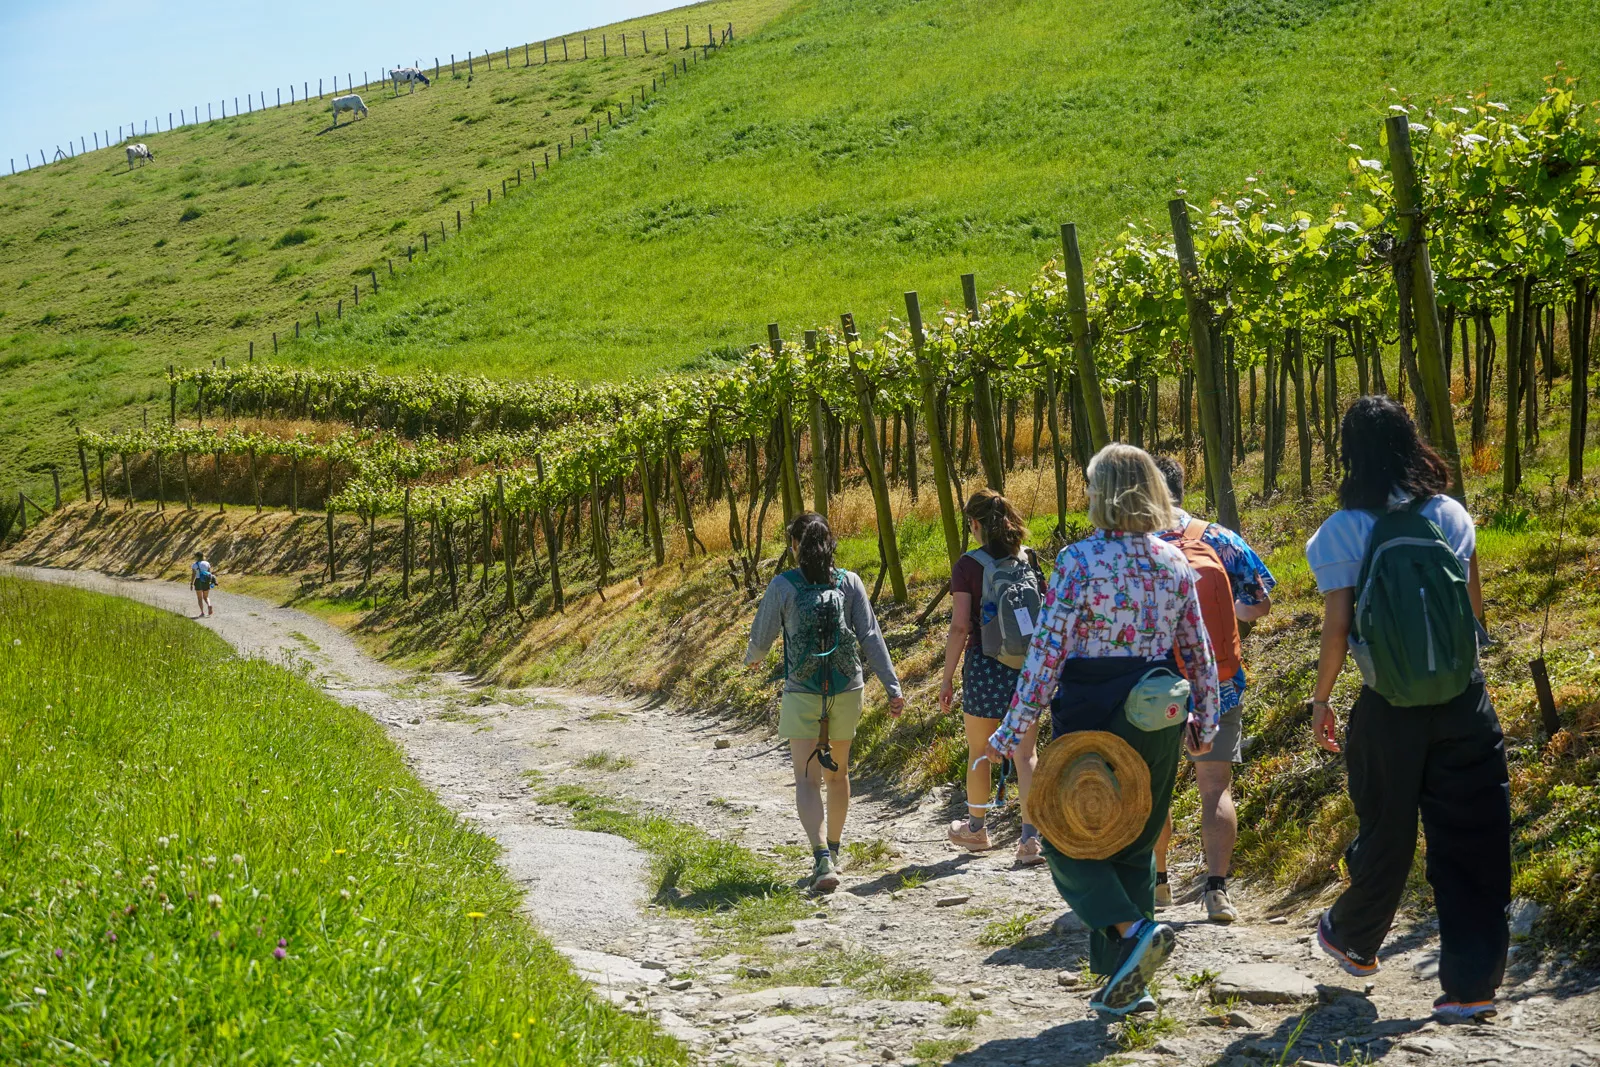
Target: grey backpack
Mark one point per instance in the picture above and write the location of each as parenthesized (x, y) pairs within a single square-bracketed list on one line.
[(1009, 611)]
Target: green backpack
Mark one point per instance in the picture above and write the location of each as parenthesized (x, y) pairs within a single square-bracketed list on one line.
[(1416, 639), (822, 655)]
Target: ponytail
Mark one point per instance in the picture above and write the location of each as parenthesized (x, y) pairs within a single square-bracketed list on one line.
[(815, 546), (1003, 528)]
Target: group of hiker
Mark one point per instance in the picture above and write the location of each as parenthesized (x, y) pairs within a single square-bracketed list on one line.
[(1133, 645)]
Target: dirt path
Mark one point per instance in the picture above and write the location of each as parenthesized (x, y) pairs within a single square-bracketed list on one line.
[(841, 987)]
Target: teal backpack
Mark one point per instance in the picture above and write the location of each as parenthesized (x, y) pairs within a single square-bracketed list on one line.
[(822, 655), (1415, 636)]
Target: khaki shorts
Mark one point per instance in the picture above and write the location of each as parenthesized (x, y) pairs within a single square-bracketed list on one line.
[(1228, 746), (800, 716)]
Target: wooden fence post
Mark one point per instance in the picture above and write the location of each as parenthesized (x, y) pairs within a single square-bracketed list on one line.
[(887, 543), (83, 465), (333, 563), (552, 540), (652, 520), (819, 434), (127, 480), (216, 469), (1424, 302), (983, 405), (405, 547), (792, 495), (933, 416), (55, 479), (1078, 317), (1217, 446), (188, 499)]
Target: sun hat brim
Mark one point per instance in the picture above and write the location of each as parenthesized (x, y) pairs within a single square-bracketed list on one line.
[(1091, 794)]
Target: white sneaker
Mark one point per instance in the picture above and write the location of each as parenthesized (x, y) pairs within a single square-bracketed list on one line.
[(1219, 909)]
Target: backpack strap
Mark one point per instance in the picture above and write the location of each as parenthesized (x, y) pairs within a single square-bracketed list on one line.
[(1196, 530)]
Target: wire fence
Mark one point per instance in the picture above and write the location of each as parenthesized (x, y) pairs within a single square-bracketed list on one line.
[(572, 49)]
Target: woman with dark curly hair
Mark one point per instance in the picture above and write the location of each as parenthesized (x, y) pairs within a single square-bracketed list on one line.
[(829, 630), (1398, 570)]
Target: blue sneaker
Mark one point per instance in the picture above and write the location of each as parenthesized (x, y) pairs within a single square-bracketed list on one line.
[(1144, 949)]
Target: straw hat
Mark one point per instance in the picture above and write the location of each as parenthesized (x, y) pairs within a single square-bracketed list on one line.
[(1090, 795)]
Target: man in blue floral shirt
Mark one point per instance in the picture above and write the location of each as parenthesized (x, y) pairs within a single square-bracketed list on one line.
[(1251, 584)]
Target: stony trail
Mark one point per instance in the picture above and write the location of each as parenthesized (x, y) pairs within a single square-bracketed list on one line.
[(1236, 995)]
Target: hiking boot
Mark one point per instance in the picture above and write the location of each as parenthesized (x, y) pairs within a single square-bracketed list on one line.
[(1163, 895), (1352, 962), (1138, 959), (823, 878), (971, 840), (1029, 852), (1449, 1010), (1219, 909)]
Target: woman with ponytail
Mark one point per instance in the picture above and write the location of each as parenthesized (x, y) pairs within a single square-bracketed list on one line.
[(986, 682), (829, 630)]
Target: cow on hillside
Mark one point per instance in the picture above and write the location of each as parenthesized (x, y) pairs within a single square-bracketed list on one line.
[(140, 152), (350, 103), (409, 75)]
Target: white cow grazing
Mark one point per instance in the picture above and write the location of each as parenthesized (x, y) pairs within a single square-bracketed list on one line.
[(409, 75), (140, 152), (347, 103)]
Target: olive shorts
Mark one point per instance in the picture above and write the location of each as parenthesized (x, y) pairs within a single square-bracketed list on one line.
[(800, 716)]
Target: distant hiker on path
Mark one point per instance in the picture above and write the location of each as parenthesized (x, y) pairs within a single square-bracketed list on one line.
[(1235, 586), (202, 579), (1121, 611), (828, 629), (988, 637), (1398, 571)]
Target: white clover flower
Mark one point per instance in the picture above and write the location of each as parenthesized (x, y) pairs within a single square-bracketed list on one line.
[(214, 900)]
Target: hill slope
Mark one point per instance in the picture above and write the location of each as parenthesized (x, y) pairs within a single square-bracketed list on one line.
[(242, 226), (841, 154)]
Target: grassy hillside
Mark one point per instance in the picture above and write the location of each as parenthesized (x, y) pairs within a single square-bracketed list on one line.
[(202, 850), (842, 153), (243, 226)]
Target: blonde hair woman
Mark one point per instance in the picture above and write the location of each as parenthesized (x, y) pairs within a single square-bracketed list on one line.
[(1120, 604)]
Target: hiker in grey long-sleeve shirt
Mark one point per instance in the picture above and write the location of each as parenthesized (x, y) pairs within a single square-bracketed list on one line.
[(829, 630)]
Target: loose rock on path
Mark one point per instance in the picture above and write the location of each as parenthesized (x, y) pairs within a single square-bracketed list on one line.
[(1003, 967)]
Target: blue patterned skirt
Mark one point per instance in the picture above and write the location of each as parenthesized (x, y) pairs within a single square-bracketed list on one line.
[(986, 685)]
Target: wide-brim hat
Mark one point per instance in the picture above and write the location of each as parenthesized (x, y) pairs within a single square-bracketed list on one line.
[(1090, 795)]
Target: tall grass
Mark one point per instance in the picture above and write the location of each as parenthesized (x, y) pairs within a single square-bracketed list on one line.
[(204, 860)]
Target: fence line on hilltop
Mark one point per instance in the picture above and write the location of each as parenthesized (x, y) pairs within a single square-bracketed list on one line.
[(714, 39)]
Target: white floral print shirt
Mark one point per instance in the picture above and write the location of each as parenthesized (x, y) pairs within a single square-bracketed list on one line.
[(1115, 594)]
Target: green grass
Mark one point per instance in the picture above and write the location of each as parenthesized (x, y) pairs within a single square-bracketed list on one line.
[(841, 154), (605, 761), (244, 226), (1006, 931), (936, 1051), (692, 871), (171, 817)]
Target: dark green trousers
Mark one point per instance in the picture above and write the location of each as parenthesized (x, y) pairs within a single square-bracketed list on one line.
[(1122, 887)]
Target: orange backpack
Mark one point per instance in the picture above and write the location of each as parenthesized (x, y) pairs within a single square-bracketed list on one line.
[(1216, 599)]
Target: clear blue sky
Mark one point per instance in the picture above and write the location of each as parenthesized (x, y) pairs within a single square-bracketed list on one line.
[(74, 67)]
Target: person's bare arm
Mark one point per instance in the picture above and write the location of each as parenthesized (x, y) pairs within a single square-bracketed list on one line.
[(1251, 612), (1338, 612), (955, 643), (1475, 589)]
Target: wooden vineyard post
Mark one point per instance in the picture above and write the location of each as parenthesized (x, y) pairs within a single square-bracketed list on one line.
[(83, 465), (983, 407), (1078, 317), (450, 565), (255, 479), (552, 540), (1424, 302), (372, 520), (1213, 430), (294, 485), (888, 545), (1511, 462), (405, 547), (680, 495), (127, 480), (161, 484), (100, 456), (1297, 370), (932, 414), (485, 546), (55, 480), (792, 496), (333, 562), (1053, 405), (652, 520), (508, 542), (819, 433), (1580, 324), (188, 500), (597, 532), (216, 469), (1330, 405)]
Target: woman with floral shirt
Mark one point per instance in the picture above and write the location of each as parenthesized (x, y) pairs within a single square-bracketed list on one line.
[(1120, 604)]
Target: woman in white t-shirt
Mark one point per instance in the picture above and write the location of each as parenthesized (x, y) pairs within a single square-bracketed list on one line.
[(1445, 760)]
